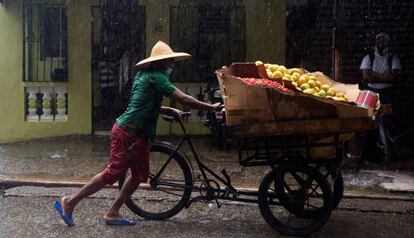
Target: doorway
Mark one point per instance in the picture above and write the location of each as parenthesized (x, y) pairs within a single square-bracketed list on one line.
[(118, 42)]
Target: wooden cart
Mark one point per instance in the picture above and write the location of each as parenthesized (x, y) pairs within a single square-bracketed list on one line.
[(301, 137), (306, 157)]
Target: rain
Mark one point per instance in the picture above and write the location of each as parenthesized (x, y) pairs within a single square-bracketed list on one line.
[(295, 117)]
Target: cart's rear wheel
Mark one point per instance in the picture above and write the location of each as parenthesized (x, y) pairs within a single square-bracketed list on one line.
[(295, 200), (334, 178)]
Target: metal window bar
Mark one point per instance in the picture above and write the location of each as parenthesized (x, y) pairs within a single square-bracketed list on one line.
[(45, 43)]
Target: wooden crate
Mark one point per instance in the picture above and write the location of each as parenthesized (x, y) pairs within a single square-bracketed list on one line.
[(302, 127), (249, 104)]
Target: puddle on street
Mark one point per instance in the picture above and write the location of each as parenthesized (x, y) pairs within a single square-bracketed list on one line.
[(81, 157), (78, 158)]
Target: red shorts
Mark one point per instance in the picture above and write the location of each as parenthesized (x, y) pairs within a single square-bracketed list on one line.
[(128, 150)]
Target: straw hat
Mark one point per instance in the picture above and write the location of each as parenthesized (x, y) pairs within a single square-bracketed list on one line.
[(162, 51)]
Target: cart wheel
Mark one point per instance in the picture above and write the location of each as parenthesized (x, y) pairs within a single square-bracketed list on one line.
[(295, 200), (335, 180)]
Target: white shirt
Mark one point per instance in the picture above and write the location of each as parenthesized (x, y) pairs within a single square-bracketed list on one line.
[(380, 66)]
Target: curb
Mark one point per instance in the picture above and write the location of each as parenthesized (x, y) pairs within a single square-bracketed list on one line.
[(10, 183)]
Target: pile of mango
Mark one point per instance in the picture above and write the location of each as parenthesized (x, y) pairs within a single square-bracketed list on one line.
[(302, 81)]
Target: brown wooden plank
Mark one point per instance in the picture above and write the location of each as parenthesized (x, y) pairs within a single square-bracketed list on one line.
[(302, 127)]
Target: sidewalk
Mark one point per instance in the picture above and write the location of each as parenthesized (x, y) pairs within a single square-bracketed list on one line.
[(71, 161)]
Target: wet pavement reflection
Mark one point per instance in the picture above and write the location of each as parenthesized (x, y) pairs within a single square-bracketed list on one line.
[(28, 212), (78, 158)]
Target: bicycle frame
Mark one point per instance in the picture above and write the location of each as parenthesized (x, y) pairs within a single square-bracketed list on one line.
[(225, 193), (288, 185)]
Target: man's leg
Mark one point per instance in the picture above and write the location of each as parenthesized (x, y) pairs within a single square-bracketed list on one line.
[(94, 185), (127, 190)]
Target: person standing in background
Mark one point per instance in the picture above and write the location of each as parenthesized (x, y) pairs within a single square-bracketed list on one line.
[(380, 68)]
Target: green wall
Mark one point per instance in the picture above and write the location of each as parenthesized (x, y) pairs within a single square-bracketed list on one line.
[(266, 30), (265, 27), (11, 90), (265, 40), (12, 115)]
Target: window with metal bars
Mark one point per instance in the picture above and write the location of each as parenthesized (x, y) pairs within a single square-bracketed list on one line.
[(45, 42)]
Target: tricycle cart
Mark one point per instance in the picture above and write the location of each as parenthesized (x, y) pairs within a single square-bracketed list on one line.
[(298, 136), (295, 197), (305, 183)]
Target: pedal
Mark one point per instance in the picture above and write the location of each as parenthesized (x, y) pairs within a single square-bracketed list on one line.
[(192, 200)]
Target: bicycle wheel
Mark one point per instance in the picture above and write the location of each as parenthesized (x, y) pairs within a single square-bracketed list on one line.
[(169, 186), (295, 200)]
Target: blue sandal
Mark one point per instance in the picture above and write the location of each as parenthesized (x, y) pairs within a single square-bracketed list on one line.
[(123, 222), (68, 219)]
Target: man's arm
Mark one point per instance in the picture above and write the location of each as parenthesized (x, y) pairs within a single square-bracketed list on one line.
[(372, 77), (192, 102), (393, 75), (170, 110)]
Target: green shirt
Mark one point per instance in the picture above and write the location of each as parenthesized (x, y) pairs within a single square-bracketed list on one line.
[(148, 89)]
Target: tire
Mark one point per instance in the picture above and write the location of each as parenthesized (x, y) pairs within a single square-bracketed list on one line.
[(159, 202), (281, 197), (336, 183), (335, 180), (337, 187)]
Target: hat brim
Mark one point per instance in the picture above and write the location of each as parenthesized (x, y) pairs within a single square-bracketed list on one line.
[(178, 56)]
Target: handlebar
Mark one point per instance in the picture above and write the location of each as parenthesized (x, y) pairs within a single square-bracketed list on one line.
[(221, 107), (184, 115)]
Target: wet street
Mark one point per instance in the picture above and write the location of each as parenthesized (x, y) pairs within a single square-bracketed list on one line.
[(28, 212), (297, 114), (368, 209), (78, 158)]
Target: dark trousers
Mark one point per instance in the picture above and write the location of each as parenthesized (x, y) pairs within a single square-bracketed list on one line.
[(385, 124)]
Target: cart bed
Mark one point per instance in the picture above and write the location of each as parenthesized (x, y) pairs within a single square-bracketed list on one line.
[(301, 127)]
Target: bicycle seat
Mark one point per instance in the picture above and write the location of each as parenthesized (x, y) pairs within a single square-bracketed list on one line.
[(168, 117)]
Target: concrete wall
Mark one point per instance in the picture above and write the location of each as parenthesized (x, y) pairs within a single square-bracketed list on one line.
[(12, 115), (265, 30), (265, 40), (11, 90), (265, 27)]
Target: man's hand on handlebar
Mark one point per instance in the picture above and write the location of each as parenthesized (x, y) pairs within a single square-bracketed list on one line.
[(217, 106), (176, 113)]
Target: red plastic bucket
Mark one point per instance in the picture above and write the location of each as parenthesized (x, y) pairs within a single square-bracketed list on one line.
[(367, 99)]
